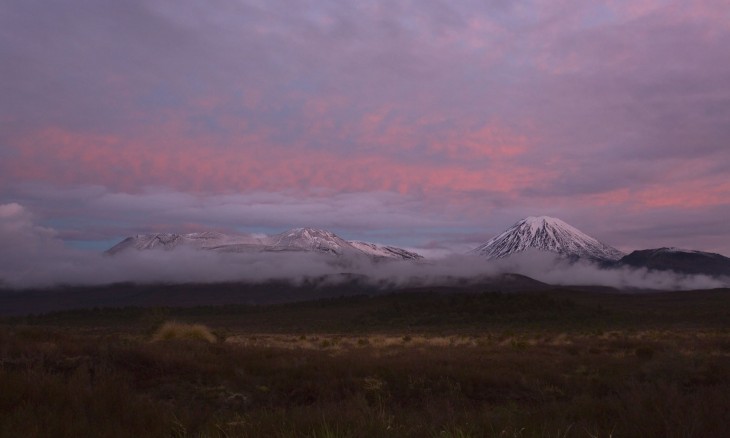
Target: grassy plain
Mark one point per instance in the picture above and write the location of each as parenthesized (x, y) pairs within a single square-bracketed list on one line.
[(558, 363)]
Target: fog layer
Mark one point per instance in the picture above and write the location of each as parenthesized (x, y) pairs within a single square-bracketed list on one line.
[(32, 256)]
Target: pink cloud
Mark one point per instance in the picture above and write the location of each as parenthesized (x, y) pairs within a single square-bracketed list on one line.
[(166, 157)]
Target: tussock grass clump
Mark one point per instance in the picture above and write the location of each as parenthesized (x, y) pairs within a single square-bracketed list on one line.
[(172, 330)]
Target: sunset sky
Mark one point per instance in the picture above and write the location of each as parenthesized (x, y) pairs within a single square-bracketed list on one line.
[(427, 124)]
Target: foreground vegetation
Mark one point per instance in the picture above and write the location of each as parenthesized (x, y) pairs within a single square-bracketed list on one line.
[(556, 364)]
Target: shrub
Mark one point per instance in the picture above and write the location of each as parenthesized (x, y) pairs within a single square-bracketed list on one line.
[(326, 343), (644, 353), (176, 330)]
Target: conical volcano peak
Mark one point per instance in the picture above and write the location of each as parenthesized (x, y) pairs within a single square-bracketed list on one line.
[(549, 234), (547, 221), (543, 220), (537, 223)]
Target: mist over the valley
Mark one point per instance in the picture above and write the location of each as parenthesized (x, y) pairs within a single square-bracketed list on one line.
[(32, 256)]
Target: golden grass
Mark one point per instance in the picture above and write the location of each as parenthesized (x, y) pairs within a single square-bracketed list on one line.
[(684, 342), (333, 342), (172, 330)]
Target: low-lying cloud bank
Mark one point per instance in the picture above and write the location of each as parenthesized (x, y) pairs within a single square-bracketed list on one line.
[(554, 270), (31, 256)]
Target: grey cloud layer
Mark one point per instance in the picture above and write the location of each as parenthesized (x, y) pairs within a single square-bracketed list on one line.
[(656, 85), (611, 95)]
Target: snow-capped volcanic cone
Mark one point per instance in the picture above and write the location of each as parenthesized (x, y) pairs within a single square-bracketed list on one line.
[(296, 239), (547, 234)]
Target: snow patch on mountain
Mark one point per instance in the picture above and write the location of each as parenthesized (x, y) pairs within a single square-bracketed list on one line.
[(675, 250), (549, 234), (385, 251)]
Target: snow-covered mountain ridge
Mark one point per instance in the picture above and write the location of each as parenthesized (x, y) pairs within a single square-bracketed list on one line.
[(549, 234), (296, 239)]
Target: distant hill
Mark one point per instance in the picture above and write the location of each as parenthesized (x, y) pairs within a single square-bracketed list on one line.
[(678, 260), (22, 302)]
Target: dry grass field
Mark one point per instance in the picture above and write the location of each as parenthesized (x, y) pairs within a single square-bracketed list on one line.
[(427, 366)]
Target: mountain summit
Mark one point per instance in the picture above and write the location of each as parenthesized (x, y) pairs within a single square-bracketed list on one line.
[(310, 239), (550, 234)]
